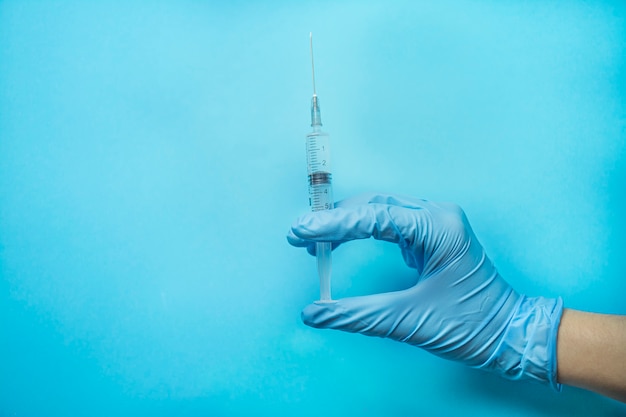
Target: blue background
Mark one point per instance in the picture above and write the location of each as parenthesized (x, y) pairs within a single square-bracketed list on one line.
[(152, 160)]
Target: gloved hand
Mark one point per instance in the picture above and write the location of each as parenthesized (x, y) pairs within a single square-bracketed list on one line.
[(460, 309)]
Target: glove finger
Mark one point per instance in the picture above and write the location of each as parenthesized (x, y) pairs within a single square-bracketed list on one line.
[(306, 243), (384, 216), (383, 222), (305, 239), (311, 247), (383, 315)]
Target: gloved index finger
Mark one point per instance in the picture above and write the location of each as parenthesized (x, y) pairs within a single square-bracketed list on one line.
[(381, 221)]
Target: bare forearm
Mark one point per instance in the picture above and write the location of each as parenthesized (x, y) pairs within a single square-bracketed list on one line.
[(591, 352)]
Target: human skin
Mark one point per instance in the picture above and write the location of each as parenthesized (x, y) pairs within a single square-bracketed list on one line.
[(591, 352)]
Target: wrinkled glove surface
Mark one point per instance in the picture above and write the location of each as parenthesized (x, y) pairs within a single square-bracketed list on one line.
[(460, 309)]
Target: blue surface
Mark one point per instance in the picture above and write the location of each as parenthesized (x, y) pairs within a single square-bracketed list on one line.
[(152, 160)]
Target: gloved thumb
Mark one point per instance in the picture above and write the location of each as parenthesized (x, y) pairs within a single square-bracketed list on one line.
[(373, 315)]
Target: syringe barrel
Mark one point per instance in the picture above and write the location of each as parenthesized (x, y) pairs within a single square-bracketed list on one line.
[(319, 171), (320, 198)]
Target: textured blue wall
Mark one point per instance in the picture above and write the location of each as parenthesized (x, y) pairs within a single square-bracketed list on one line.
[(152, 160)]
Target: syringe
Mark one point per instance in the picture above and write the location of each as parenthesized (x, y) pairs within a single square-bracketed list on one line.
[(320, 183)]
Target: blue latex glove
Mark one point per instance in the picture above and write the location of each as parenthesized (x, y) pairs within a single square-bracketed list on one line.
[(460, 309)]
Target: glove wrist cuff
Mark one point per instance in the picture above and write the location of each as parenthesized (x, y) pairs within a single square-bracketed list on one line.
[(527, 350)]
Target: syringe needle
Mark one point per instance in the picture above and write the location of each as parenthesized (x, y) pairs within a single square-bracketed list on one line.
[(312, 63), (316, 117)]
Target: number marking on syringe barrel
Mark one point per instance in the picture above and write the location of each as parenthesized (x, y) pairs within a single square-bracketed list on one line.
[(319, 167), (318, 152)]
